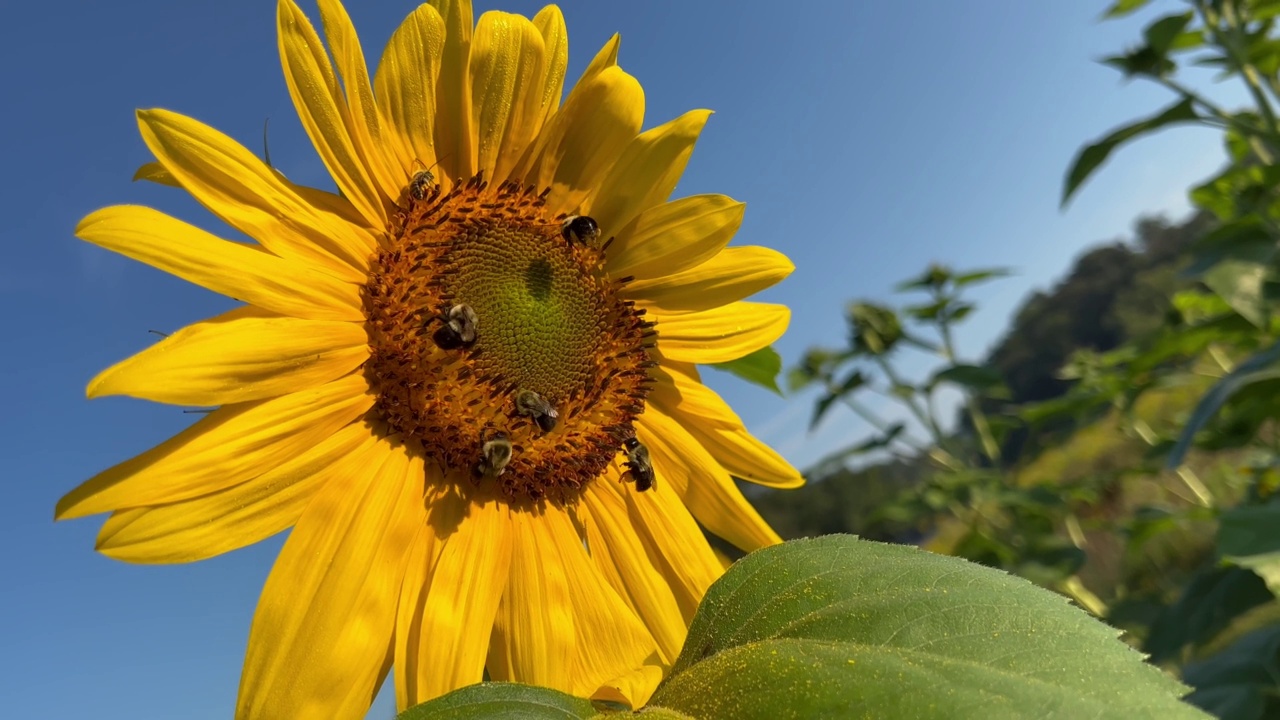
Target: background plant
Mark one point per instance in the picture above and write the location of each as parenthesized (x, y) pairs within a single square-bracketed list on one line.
[(1144, 484)]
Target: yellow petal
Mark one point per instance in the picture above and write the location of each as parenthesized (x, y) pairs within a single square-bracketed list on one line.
[(155, 172), (239, 188), (555, 40), (704, 487), (579, 144), (671, 532), (324, 113), (238, 516), (321, 638), (561, 625), (606, 57), (617, 550), (735, 273), (634, 687), (674, 236), (246, 354), (715, 425), (720, 334), (423, 552), (366, 128), (405, 86), (226, 447), (455, 136), (647, 172), (238, 271), (506, 95), (443, 630), (533, 637)]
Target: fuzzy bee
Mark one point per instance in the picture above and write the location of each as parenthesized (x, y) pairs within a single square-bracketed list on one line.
[(420, 183), (495, 455), (534, 405), (459, 327), (580, 229), (638, 465)]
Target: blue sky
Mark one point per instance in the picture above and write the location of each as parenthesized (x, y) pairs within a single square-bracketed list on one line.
[(867, 140)]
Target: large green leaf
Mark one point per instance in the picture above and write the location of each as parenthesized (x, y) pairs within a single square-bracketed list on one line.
[(1092, 156), (841, 627), (507, 700), (759, 368), (1259, 368), (1249, 536)]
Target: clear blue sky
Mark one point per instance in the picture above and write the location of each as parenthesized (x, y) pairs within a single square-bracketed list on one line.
[(867, 138)]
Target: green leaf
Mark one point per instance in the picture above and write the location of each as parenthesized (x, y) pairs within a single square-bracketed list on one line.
[(1249, 536), (1258, 368), (854, 381), (1241, 281), (1207, 605), (1124, 7), (978, 276), (759, 368), (933, 277), (841, 627), (835, 460), (1092, 156), (1235, 684), (876, 328), (1162, 33), (507, 700), (986, 380)]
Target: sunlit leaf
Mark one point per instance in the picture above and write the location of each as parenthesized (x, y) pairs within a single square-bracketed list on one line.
[(841, 627), (508, 700), (1092, 156), (1241, 282), (759, 368)]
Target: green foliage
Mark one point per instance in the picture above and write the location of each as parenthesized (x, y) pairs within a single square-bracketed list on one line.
[(1092, 156), (758, 368), (842, 627), (1122, 443), (508, 700)]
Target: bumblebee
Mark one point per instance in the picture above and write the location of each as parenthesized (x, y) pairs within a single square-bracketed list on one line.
[(580, 229), (495, 455), (459, 327), (638, 465), (534, 405)]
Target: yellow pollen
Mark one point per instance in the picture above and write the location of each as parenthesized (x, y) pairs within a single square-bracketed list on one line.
[(546, 319)]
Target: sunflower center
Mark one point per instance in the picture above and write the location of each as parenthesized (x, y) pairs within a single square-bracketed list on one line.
[(499, 346)]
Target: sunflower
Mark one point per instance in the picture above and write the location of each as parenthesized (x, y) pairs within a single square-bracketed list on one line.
[(467, 380)]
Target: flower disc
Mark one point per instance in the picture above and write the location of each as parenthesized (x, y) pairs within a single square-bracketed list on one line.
[(547, 319)]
